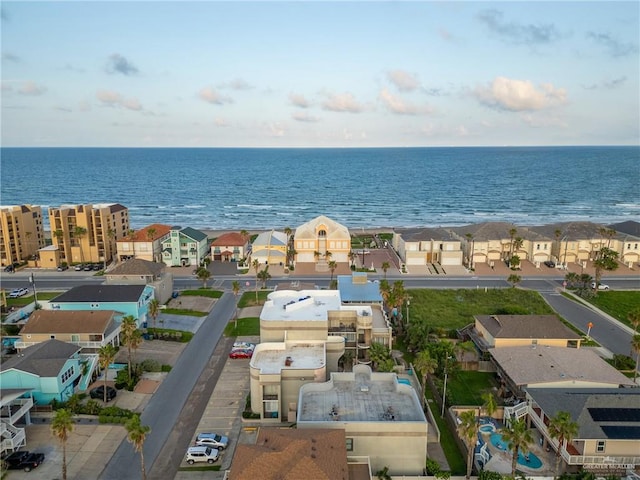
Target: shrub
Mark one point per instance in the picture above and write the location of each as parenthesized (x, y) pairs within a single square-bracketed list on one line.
[(92, 407), (622, 362), (166, 368), (432, 467), (150, 365)]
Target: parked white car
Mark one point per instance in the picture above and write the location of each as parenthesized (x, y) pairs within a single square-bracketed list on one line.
[(601, 286), (201, 454), (212, 440), (18, 292)]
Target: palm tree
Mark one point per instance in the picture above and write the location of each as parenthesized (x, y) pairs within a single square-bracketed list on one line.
[(490, 406), (78, 233), (558, 234), (385, 290), (563, 429), (517, 244), (203, 275), (606, 259), (287, 232), (131, 233), (352, 257), (61, 427), (469, 237), (328, 255), (634, 319), (332, 266), (235, 286), (635, 346), (461, 348), (514, 280), (469, 431), (518, 438), (106, 355), (256, 267), (385, 267), (317, 255), (154, 310), (264, 275), (426, 365), (151, 232), (128, 327), (136, 435), (244, 234), (512, 234), (398, 296)]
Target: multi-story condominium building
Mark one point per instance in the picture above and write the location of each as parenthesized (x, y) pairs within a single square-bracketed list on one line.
[(88, 233), (144, 244), (421, 246), (184, 247), (21, 233)]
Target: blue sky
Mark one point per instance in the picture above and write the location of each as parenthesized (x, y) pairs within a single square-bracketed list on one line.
[(320, 74)]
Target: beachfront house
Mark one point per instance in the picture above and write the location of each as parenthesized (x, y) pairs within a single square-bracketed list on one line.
[(270, 248), (49, 370), (185, 247), (136, 271), (125, 299), (488, 242), (230, 247), (422, 246), (381, 418), (144, 244), (629, 235), (312, 241)]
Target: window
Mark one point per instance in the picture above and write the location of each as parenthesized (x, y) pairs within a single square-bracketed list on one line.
[(68, 374), (600, 446), (75, 338), (349, 444), (537, 246)]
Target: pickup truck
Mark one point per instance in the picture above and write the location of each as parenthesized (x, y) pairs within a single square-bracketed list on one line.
[(26, 461)]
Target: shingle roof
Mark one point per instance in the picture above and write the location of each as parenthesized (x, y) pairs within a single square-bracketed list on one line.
[(233, 239), (526, 326), (425, 234), (143, 236), (487, 230), (44, 359), (630, 227), (138, 266), (270, 238), (64, 321), (571, 231), (542, 364), (101, 293), (197, 235), (292, 454), (577, 403)]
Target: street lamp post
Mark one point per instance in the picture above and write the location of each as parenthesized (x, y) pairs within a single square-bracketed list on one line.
[(32, 279), (408, 304), (444, 390)]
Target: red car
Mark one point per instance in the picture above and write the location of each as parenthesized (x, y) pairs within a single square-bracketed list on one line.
[(241, 354)]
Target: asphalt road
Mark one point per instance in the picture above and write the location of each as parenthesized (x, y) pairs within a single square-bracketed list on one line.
[(166, 404)]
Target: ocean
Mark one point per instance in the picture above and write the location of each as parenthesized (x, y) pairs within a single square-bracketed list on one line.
[(255, 189)]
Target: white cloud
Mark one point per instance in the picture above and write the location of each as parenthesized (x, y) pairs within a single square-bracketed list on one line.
[(299, 100), (343, 102), (210, 95), (519, 95), (397, 105), (115, 99), (236, 84), (403, 81), (31, 89), (220, 122), (276, 130), (304, 117)]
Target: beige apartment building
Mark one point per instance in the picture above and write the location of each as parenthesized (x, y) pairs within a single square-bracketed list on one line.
[(21, 233), (421, 246), (88, 233)]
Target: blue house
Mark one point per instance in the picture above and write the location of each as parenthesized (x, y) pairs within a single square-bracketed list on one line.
[(49, 369), (184, 247), (125, 299)]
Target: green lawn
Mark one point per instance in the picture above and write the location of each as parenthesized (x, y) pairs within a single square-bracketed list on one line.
[(618, 304), (184, 311), (467, 387), (248, 299), (246, 326), (203, 292), (451, 309), (26, 300), (455, 458)]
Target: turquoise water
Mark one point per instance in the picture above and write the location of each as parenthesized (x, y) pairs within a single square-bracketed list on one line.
[(404, 380), (257, 188), (530, 460)]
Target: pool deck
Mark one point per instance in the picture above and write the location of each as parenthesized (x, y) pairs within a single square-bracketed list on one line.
[(501, 460)]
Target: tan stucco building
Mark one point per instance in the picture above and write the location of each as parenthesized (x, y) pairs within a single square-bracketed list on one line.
[(270, 248), (142, 272), (145, 244), (230, 246), (421, 246), (88, 233), (21, 233), (322, 235)]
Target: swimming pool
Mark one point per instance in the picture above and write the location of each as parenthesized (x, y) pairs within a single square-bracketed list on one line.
[(404, 381), (487, 428), (529, 460)]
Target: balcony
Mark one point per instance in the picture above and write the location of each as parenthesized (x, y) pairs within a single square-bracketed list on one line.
[(16, 410)]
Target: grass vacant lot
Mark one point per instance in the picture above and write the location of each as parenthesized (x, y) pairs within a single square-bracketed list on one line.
[(467, 387), (26, 300), (248, 299), (184, 311), (203, 292), (451, 309), (618, 304), (246, 326)]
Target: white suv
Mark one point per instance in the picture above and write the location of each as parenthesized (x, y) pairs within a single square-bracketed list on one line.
[(18, 292), (201, 454)]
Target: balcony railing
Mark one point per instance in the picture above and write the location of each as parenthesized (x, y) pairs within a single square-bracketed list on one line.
[(16, 409)]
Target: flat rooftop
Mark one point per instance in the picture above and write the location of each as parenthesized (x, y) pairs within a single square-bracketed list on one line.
[(361, 396), (271, 358), (311, 305)]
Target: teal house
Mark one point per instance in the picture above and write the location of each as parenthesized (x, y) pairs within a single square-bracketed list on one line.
[(50, 370), (185, 247), (124, 299)]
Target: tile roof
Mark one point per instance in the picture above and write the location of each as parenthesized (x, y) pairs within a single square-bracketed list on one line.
[(577, 403), (542, 364), (292, 454), (138, 266), (526, 326), (142, 234), (101, 293), (233, 239), (44, 359), (64, 321)]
